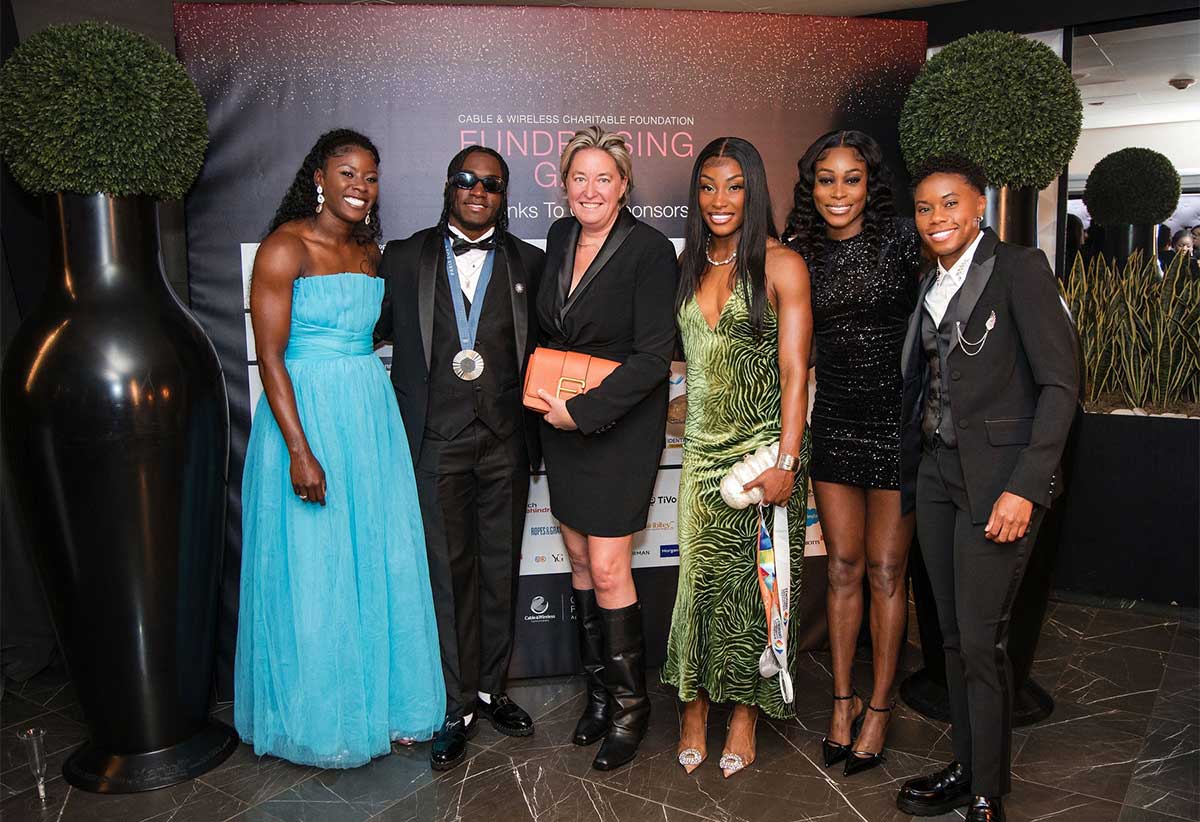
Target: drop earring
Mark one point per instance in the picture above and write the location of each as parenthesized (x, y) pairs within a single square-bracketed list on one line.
[(367, 219), (320, 199)]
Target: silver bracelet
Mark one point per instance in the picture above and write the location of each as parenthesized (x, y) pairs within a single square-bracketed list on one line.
[(787, 462)]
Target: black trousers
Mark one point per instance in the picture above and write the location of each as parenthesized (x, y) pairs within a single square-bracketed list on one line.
[(473, 490), (974, 583)]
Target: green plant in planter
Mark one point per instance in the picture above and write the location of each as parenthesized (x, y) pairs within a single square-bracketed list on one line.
[(1137, 331), (1133, 186), (92, 108), (1005, 101)]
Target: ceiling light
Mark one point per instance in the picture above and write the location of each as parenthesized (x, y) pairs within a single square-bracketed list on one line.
[(1181, 83)]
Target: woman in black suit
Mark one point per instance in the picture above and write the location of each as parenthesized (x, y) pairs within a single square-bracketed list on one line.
[(608, 291)]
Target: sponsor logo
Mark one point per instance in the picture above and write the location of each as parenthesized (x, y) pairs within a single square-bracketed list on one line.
[(539, 610), (543, 530), (811, 519), (558, 557), (540, 558), (641, 552), (668, 550), (534, 508)]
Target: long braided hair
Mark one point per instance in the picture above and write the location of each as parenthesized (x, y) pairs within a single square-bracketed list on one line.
[(300, 200), (806, 229)]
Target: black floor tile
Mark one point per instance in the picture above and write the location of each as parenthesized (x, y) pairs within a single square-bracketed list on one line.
[(1166, 776), (1178, 695), (1112, 676), (1156, 633)]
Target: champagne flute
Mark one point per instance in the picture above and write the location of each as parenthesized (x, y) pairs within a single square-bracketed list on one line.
[(34, 740)]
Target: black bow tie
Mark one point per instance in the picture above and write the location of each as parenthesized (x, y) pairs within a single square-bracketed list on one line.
[(460, 246)]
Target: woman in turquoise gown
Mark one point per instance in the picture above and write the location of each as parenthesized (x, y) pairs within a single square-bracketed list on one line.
[(337, 652)]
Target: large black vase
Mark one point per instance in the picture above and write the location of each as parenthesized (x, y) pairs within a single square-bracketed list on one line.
[(1121, 241), (116, 438), (1012, 214)]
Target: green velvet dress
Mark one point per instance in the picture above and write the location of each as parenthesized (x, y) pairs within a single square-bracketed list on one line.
[(719, 626)]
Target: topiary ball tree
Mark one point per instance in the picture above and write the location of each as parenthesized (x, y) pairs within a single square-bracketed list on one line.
[(1007, 102), (1133, 186), (92, 108)]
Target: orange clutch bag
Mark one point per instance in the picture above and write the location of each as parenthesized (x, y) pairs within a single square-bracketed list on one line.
[(563, 374)]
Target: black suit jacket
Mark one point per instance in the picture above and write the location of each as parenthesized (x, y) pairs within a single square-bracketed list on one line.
[(410, 268), (1015, 400)]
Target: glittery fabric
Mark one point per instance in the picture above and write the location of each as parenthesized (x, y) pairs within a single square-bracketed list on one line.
[(861, 305)]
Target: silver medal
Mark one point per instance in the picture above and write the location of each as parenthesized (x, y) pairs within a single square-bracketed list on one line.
[(467, 364)]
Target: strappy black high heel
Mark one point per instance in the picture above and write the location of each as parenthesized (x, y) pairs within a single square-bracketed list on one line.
[(859, 761), (835, 752)]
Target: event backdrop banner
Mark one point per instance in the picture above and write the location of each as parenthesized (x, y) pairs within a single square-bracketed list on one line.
[(423, 82)]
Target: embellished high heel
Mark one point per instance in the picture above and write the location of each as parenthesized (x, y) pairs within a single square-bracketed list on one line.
[(859, 761), (730, 763), (692, 758), (835, 752)]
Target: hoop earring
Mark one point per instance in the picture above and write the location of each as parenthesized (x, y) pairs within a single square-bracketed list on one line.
[(367, 219), (320, 199)]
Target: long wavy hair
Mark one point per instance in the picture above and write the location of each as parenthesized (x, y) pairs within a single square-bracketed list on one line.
[(456, 164), (301, 197), (806, 230), (758, 224)]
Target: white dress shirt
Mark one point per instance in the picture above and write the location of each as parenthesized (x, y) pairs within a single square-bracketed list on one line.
[(470, 264), (938, 297)]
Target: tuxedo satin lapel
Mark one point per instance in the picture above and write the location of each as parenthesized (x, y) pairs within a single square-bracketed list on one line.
[(427, 271), (561, 267), (620, 230), (914, 321), (518, 284), (968, 295)]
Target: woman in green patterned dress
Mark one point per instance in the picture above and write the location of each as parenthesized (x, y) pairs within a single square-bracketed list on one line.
[(746, 324)]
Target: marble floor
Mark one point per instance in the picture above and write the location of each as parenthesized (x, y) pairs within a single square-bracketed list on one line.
[(1123, 745)]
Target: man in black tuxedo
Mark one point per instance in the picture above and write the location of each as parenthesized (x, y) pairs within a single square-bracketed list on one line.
[(456, 309), (991, 383)]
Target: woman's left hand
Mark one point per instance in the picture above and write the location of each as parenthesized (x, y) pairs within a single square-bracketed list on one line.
[(558, 415), (776, 485)]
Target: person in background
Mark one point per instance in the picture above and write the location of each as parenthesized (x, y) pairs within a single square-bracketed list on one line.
[(1183, 243), (991, 383), (744, 318), (864, 263), (608, 289), (456, 308), (329, 671)]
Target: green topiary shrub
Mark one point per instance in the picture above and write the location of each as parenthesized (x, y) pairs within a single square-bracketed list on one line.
[(997, 98), (92, 108), (1133, 186)]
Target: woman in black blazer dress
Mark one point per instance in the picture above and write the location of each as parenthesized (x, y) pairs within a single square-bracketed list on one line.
[(608, 291)]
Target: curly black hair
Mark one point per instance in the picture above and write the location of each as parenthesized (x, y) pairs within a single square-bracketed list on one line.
[(456, 164), (300, 200), (969, 170), (806, 229)]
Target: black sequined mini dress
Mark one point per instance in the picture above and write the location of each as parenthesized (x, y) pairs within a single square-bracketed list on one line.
[(863, 293)]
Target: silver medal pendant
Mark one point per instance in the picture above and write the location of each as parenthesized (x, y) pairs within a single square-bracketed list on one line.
[(467, 364)]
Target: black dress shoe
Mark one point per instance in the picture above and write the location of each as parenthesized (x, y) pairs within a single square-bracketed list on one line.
[(506, 716), (985, 809), (936, 793), (450, 742)]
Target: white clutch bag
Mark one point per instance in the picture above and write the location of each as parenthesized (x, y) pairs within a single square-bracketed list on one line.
[(746, 469)]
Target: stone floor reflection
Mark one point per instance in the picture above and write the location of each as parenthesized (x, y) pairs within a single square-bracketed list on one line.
[(1123, 745)]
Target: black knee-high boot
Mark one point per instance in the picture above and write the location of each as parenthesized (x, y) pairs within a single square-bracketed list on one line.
[(625, 678), (593, 725)]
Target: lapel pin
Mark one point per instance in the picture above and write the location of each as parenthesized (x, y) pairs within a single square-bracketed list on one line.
[(972, 348), (519, 288)]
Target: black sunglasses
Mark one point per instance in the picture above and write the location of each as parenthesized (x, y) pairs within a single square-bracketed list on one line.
[(466, 180)]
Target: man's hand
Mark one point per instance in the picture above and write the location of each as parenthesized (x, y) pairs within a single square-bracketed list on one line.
[(1010, 518)]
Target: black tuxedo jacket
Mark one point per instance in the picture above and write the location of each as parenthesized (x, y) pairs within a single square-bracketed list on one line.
[(1014, 401), (410, 268)]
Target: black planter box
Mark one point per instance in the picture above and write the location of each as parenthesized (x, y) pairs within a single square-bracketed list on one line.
[(1131, 514)]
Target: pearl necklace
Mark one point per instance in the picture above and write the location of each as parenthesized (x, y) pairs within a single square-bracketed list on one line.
[(715, 263)]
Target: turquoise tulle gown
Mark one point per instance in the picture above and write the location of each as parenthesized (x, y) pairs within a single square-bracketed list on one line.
[(337, 651)]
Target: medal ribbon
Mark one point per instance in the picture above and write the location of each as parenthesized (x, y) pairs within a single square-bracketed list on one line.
[(775, 574), (467, 328)]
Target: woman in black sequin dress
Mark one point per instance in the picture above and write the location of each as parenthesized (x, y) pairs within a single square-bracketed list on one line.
[(864, 265)]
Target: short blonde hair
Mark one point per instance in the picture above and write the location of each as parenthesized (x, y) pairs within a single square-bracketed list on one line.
[(611, 144)]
